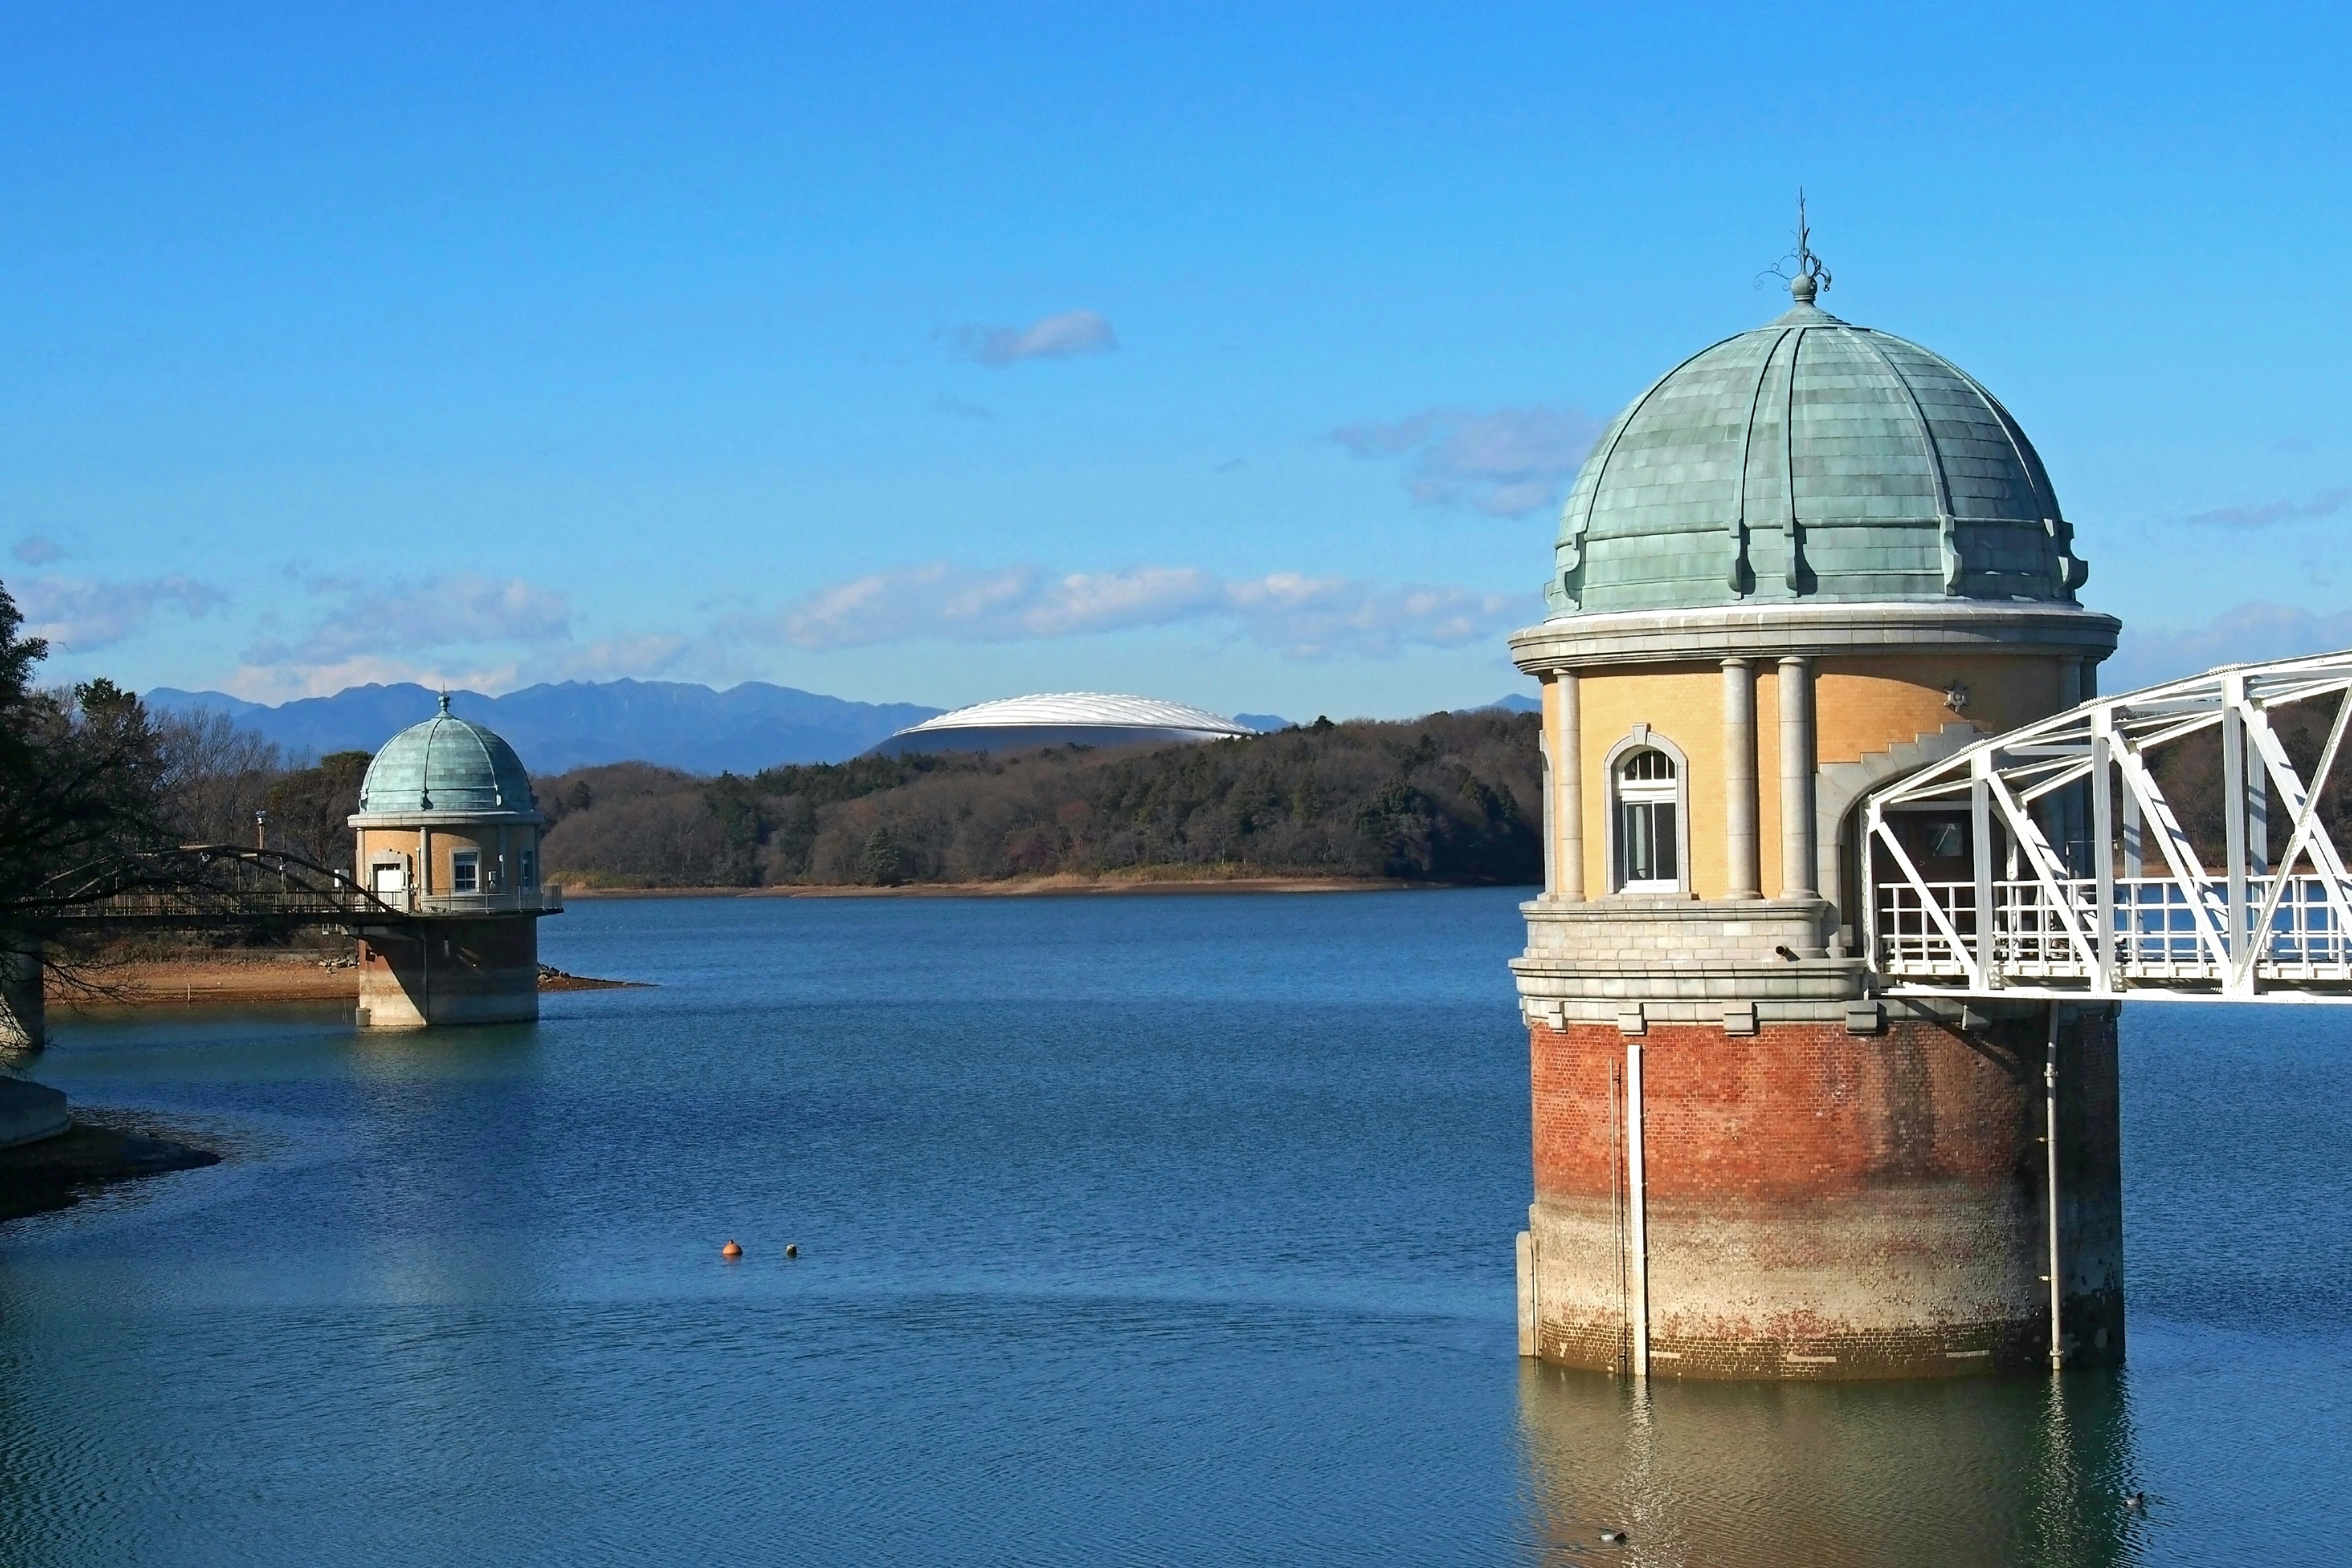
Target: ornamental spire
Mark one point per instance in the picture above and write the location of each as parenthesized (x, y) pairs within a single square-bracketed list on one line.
[(1810, 278)]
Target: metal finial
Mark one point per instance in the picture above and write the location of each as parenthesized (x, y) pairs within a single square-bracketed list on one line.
[(1810, 278), (445, 699)]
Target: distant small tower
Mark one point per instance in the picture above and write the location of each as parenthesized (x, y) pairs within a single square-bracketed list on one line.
[(449, 835)]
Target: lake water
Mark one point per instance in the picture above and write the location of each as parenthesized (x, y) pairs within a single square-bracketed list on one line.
[(1139, 1230)]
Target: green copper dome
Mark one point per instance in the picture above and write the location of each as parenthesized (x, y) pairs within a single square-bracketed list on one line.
[(448, 765), (1811, 460)]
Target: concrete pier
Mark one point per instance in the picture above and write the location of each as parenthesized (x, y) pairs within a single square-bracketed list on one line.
[(24, 1009), (29, 1112)]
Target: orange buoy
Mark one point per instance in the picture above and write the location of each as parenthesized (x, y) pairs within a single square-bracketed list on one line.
[(792, 1249), (730, 1250)]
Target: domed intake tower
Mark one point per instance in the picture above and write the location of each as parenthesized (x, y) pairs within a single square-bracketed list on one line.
[(1809, 558), (448, 837)]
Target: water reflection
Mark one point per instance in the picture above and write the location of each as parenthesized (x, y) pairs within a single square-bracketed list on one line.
[(1826, 1475)]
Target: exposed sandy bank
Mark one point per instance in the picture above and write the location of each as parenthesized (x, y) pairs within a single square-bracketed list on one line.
[(246, 979), (1022, 887)]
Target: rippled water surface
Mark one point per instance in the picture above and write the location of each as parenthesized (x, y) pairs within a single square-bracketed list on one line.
[(1132, 1230)]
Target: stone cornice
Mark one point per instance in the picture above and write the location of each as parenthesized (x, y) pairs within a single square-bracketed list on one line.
[(443, 818), (1814, 630)]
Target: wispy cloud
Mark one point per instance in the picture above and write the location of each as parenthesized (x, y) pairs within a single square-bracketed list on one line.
[(484, 633), (35, 551), (1299, 616), (1064, 336), (2244, 633), (1507, 463), (422, 612), (2326, 503), (78, 614)]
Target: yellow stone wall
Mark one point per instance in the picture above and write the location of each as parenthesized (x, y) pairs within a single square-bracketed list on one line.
[(490, 839), (1860, 705)]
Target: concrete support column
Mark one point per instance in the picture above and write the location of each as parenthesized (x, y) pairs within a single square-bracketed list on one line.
[(1742, 857), (1567, 792), (24, 1012), (1798, 871)]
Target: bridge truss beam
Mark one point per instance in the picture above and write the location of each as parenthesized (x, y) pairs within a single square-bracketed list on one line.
[(2020, 865)]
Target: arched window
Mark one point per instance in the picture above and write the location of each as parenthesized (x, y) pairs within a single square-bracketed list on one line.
[(1647, 821)]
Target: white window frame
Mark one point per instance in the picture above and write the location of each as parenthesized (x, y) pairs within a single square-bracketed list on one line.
[(458, 860), (1643, 739)]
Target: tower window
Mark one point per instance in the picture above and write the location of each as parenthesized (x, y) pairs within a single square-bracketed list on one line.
[(1648, 822), (465, 871), (529, 869)]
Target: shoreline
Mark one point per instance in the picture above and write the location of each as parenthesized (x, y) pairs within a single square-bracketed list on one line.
[(1032, 887), (244, 979)]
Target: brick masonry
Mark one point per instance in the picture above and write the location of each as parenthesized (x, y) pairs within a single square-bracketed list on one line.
[(1827, 1205)]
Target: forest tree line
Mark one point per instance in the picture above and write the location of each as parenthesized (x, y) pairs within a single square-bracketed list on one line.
[(1449, 798)]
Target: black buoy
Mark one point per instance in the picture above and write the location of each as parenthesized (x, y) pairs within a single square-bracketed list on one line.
[(792, 1249)]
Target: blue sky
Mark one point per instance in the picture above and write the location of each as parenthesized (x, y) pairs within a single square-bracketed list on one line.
[(1238, 355)]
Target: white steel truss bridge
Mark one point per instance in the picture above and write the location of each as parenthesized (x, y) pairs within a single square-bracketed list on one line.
[(2050, 861)]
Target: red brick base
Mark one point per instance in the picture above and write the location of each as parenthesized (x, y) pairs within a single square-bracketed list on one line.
[(1827, 1205)]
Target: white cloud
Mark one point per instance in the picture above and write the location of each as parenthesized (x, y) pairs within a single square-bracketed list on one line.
[(2326, 503), (35, 551), (434, 611), (78, 614), (1301, 617), (1507, 463), (2244, 633), (441, 631), (1071, 333)]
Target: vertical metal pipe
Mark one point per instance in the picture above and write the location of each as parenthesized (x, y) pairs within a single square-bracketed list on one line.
[(2050, 1110), (2233, 810), (1568, 787), (1637, 1248), (1797, 872), (1743, 853), (1617, 1208)]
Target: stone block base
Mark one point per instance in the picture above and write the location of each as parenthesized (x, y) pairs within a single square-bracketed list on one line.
[(450, 971)]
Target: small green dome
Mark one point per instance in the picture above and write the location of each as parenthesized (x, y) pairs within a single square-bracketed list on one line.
[(1811, 460), (447, 765)]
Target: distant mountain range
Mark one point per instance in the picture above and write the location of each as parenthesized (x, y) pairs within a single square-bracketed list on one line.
[(558, 726), (578, 722)]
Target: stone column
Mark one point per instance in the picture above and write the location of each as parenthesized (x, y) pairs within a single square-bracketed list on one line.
[(1743, 877), (1797, 869), (1568, 794)]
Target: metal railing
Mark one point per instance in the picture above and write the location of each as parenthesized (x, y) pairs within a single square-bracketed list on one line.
[(545, 900), (2157, 934), (219, 884), (2084, 882)]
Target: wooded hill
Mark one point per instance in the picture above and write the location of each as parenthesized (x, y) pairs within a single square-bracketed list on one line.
[(1449, 798)]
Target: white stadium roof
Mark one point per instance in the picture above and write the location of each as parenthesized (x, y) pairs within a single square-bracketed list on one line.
[(1094, 710)]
